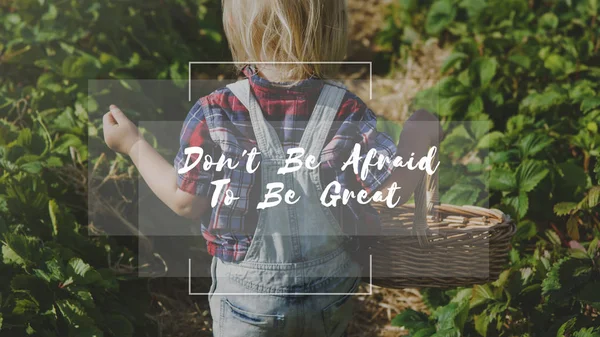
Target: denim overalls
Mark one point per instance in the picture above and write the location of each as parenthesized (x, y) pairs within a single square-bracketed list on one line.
[(297, 277)]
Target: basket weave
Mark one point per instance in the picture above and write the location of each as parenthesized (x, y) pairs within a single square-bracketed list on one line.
[(431, 245)]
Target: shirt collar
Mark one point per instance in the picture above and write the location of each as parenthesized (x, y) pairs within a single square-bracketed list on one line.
[(262, 85)]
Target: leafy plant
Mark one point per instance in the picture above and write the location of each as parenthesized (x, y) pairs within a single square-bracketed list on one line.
[(55, 279), (519, 101), (552, 292)]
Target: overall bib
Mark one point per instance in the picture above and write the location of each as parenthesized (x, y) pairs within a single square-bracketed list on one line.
[(297, 278)]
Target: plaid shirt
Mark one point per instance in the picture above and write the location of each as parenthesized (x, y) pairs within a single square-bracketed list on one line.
[(228, 229)]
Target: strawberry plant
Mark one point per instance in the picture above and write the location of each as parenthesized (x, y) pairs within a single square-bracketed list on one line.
[(55, 279), (529, 70)]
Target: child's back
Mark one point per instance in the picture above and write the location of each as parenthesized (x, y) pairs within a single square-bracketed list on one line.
[(284, 270), (294, 254), (222, 125)]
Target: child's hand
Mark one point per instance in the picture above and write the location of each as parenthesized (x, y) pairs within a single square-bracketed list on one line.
[(120, 134), (428, 126)]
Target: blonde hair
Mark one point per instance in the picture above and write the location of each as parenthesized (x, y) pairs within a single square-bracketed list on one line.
[(288, 31)]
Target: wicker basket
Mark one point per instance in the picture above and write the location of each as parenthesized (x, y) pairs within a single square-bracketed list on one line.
[(448, 246)]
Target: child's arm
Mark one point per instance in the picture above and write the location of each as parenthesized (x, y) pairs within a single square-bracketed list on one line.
[(421, 131), (121, 135)]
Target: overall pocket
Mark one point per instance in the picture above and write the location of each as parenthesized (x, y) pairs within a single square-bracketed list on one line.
[(338, 314), (239, 322)]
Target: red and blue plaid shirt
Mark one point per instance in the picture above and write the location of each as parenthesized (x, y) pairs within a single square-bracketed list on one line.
[(228, 229)]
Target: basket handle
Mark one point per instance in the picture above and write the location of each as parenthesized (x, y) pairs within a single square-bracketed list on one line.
[(426, 198)]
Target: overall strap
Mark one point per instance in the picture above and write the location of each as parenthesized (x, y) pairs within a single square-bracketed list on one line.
[(319, 124), (266, 137)]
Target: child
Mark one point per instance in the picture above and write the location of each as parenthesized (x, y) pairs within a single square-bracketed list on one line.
[(283, 270)]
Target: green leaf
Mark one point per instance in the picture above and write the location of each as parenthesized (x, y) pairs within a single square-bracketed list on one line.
[(573, 178), (440, 15), (411, 319), (434, 297), (593, 196), (478, 129), (519, 203), (566, 327), (523, 204), (54, 212), (84, 296), (590, 103), (462, 296), (52, 13), (452, 60), (532, 144), (482, 323), (555, 63), (83, 67), (132, 85), (54, 162), (594, 247), (490, 140), (529, 174), (453, 105), (537, 102), (451, 332), (521, 60), (525, 231), (21, 250), (589, 332), (35, 288), (553, 237), (564, 208), (458, 142), (476, 105), (81, 272), (33, 167), (56, 270), (473, 7), (516, 124), (565, 277), (25, 307), (24, 137), (461, 194), (80, 324), (454, 315), (391, 128), (427, 332), (548, 21), (481, 295), (502, 180), (73, 312), (486, 67), (29, 330)]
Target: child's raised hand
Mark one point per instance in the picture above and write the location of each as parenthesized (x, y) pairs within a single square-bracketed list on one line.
[(120, 134), (426, 125)]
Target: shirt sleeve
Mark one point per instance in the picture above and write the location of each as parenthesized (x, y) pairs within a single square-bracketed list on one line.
[(381, 143), (195, 133)]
